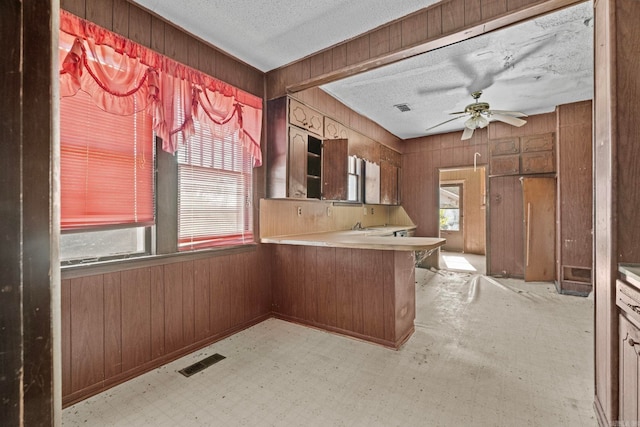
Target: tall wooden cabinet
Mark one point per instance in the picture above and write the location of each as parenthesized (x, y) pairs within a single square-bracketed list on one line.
[(522, 188)]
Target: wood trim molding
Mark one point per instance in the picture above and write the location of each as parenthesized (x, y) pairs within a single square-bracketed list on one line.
[(291, 78)]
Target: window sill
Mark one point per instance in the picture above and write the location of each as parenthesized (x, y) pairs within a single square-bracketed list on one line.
[(101, 267)]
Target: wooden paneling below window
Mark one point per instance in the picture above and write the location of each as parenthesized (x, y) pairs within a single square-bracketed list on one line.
[(120, 324)]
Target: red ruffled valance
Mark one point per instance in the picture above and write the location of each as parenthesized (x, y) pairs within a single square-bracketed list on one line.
[(124, 77)]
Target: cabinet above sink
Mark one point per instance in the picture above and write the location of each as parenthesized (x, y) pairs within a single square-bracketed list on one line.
[(311, 156)]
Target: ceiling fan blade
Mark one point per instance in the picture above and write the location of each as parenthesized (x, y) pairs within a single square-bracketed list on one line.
[(467, 134), (509, 113), (513, 121), (458, 112), (446, 121)]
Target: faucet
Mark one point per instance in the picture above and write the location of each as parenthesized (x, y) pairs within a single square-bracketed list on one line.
[(358, 226)]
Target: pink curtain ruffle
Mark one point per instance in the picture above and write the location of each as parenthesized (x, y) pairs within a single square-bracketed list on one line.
[(123, 78)]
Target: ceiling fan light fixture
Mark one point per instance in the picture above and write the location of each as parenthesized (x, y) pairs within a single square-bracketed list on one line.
[(472, 123)]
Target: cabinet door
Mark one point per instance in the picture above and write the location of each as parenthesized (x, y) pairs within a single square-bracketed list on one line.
[(297, 166), (501, 147), (504, 165), (335, 130), (539, 196), (335, 169), (371, 182), (536, 143), (629, 348), (388, 184), (538, 162), (307, 118)]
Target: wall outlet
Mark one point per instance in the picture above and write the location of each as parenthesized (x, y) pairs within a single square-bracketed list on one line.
[(299, 208), (371, 211), (328, 210)]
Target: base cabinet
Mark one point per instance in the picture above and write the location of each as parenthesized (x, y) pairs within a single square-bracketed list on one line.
[(367, 294), (629, 347), (628, 302)]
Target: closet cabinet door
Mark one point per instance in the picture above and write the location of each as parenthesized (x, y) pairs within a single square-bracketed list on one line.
[(335, 168), (388, 184), (629, 348), (297, 167), (539, 196)]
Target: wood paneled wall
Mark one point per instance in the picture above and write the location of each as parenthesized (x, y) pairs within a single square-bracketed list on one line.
[(335, 109), (575, 191), (441, 24), (423, 158), (617, 181), (143, 27), (119, 324)]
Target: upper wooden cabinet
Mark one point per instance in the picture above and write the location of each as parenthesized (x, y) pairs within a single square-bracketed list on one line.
[(501, 147), (504, 165), (308, 157), (537, 162), (335, 169), (335, 130), (306, 118), (389, 194), (390, 162), (522, 155), (536, 143), (298, 165)]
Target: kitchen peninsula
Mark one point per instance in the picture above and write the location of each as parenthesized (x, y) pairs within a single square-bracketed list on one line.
[(359, 283)]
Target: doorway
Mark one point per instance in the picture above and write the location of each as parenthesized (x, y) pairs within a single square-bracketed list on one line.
[(452, 216), (462, 218)]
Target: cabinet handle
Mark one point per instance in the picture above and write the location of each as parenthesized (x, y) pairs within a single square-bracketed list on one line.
[(632, 342), (528, 231), (635, 308)]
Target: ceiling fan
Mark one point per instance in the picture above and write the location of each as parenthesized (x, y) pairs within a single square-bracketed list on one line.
[(479, 115)]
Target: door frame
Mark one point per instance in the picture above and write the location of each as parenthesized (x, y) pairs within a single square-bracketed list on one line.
[(484, 205)]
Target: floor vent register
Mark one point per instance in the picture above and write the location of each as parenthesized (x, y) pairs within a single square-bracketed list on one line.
[(201, 365)]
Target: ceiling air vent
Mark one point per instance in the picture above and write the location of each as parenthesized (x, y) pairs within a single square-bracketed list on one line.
[(402, 107)]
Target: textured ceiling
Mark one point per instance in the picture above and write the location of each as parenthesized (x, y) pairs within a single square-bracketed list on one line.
[(530, 67)]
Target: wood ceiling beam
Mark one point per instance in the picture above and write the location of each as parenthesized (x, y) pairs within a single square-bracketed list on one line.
[(439, 25)]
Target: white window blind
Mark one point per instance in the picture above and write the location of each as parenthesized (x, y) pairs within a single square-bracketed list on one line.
[(214, 189)]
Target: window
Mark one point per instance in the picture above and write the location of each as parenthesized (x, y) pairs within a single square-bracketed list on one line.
[(117, 97), (214, 189), (450, 207), (107, 192)]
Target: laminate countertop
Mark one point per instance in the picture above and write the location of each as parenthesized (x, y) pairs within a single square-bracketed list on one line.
[(369, 238), (630, 273)]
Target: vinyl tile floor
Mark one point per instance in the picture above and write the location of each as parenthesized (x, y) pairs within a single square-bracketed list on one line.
[(484, 353)]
